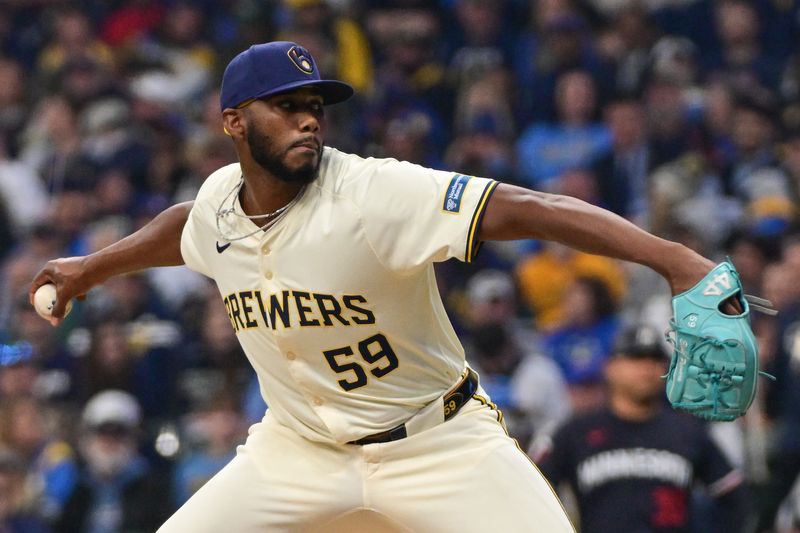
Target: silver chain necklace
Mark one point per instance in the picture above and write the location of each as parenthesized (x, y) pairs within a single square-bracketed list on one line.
[(274, 216)]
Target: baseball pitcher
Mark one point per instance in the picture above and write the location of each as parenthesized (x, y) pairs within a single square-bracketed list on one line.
[(324, 263)]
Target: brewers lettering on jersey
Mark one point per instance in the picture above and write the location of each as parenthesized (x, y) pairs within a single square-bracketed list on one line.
[(310, 309), (324, 263)]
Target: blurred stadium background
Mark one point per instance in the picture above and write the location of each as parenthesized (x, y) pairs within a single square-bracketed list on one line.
[(681, 115)]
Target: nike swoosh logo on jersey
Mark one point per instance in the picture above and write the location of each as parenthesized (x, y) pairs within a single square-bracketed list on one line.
[(222, 248)]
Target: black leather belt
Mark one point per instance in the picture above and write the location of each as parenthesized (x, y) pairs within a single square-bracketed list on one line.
[(452, 402)]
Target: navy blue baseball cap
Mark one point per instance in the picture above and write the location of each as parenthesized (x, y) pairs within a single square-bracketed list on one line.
[(277, 67)]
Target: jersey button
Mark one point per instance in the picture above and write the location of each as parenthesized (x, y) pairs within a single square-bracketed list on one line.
[(290, 356), (318, 400), (265, 250), (268, 274)]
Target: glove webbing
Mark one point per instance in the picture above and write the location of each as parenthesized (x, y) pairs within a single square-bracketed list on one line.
[(720, 379)]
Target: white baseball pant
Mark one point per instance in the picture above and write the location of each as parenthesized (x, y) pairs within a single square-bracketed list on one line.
[(463, 475)]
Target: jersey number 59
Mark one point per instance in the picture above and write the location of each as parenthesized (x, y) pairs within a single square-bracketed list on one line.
[(374, 350)]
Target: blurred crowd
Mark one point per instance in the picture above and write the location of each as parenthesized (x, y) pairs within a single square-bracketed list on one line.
[(680, 115)]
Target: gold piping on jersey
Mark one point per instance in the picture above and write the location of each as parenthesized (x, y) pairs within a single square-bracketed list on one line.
[(472, 237), (552, 490), (493, 406)]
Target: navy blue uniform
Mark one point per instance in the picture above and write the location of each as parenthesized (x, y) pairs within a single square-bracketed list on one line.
[(636, 477)]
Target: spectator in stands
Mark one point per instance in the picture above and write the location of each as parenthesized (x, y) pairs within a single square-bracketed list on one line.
[(790, 161), (117, 155), (135, 357), (751, 254), (546, 150), (783, 396), (626, 43), (623, 173), (131, 21), (545, 277), (213, 430), (14, 518), (51, 144), (560, 44), (208, 150), (339, 38), (30, 253), (482, 150), (672, 133), (412, 78), (213, 364), (580, 183), (13, 104), (407, 137), (73, 39), (52, 367), (179, 59), (717, 124), (52, 470), (23, 198), (18, 373), (583, 343), (525, 384), (633, 462), (118, 490), (82, 81), (484, 127), (481, 42), (754, 134), (478, 103), (739, 52)]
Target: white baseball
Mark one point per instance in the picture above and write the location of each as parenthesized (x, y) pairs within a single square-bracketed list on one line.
[(45, 298)]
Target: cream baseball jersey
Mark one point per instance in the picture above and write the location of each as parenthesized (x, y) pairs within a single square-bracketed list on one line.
[(336, 304)]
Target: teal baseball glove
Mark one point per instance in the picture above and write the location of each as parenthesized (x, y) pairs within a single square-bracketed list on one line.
[(714, 365)]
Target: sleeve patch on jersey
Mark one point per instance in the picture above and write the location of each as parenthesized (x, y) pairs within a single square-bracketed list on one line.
[(455, 191)]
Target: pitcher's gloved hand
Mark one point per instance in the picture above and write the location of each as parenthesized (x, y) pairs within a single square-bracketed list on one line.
[(714, 365)]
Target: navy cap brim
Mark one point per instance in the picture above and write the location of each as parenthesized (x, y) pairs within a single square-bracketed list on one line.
[(331, 91)]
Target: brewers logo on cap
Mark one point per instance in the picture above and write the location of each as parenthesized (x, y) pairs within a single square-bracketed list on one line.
[(301, 59), (262, 71)]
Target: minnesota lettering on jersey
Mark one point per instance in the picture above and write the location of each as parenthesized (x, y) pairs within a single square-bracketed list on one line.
[(252, 308), (641, 463)]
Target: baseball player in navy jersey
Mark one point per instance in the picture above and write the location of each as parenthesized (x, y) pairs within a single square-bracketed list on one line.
[(636, 453), (324, 262)]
